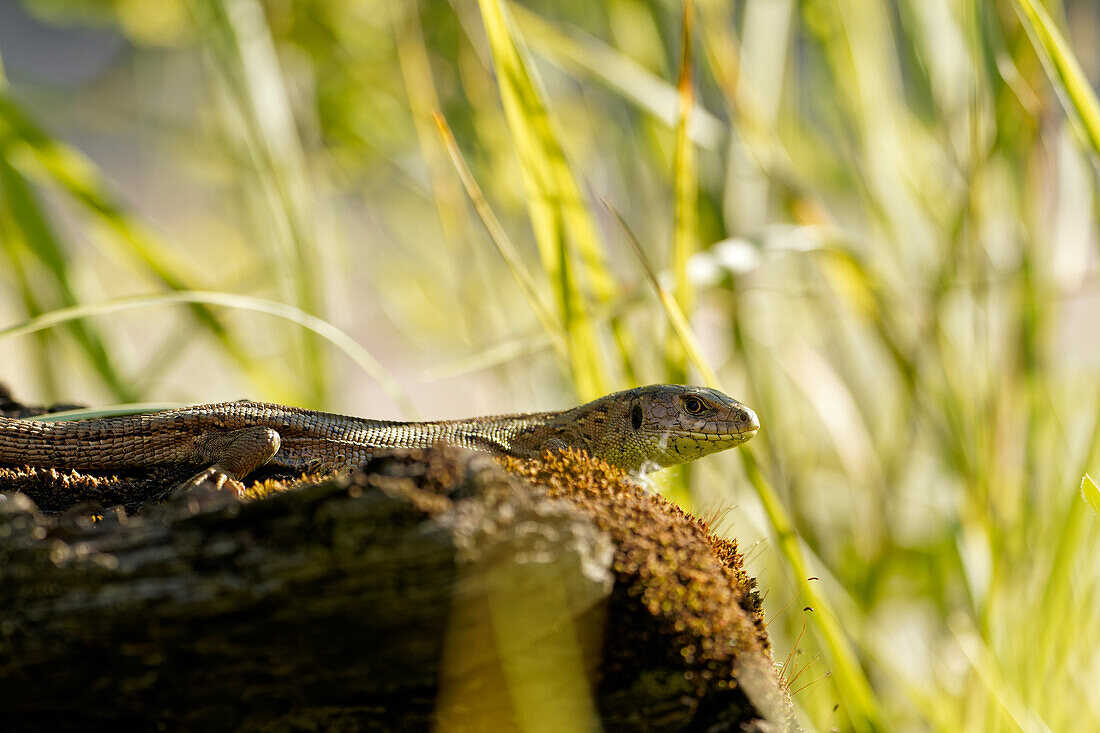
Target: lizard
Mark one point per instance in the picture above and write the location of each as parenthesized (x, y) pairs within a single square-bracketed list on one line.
[(640, 429)]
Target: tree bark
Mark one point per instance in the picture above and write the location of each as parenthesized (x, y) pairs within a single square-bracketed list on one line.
[(431, 588)]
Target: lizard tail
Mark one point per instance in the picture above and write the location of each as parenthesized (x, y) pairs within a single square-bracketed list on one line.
[(26, 442)]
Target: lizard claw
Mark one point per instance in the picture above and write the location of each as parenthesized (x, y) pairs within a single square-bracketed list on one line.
[(211, 483)]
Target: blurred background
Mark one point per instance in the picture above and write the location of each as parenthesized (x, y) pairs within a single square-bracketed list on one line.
[(878, 218)]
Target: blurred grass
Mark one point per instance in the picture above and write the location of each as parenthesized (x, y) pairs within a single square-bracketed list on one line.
[(1062, 68), (877, 223), (306, 321), (35, 255), (243, 53), (35, 158), (508, 251)]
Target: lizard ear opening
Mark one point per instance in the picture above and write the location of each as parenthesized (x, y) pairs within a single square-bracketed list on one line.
[(636, 416)]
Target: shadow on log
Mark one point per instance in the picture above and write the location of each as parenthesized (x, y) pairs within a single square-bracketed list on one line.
[(429, 589)]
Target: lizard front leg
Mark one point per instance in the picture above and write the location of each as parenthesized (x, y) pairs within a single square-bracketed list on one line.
[(234, 455)]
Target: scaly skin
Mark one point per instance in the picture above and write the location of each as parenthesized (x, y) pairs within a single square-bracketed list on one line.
[(639, 429)]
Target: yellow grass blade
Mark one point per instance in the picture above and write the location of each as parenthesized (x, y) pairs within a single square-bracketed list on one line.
[(1062, 67), (412, 57), (1090, 493), (584, 55), (569, 247), (500, 238), (673, 312), (685, 232)]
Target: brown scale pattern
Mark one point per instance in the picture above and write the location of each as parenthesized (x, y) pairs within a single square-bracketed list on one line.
[(638, 429)]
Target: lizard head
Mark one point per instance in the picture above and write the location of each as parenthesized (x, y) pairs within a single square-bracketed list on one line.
[(668, 424)]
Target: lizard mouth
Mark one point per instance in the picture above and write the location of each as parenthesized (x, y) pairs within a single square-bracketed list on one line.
[(741, 435)]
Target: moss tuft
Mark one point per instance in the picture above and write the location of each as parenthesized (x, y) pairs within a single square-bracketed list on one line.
[(705, 607)]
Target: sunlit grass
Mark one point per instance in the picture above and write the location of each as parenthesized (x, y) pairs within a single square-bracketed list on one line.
[(1063, 69), (685, 230), (873, 222)]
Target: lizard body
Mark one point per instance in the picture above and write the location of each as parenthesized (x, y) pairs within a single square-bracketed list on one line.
[(646, 427)]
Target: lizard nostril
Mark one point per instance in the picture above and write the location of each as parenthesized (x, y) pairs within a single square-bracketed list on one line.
[(742, 416)]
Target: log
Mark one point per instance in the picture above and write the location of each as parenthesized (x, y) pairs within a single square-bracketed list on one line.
[(430, 588)]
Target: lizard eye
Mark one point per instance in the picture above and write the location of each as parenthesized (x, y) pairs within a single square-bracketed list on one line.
[(693, 405)]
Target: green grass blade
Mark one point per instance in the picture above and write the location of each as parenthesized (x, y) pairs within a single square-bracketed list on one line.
[(1062, 68), (45, 369), (861, 706), (88, 413), (50, 161), (570, 250)]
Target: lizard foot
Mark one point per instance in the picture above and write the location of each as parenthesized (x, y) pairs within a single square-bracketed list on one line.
[(213, 483), (323, 468), (235, 454)]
